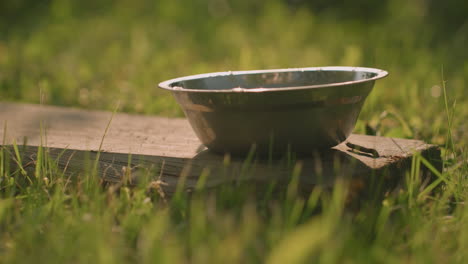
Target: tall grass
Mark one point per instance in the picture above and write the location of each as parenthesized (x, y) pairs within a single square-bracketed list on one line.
[(56, 218)]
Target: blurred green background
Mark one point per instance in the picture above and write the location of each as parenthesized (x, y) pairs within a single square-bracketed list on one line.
[(96, 54), (93, 54)]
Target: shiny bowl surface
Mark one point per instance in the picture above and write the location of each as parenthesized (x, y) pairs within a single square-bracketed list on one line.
[(299, 110)]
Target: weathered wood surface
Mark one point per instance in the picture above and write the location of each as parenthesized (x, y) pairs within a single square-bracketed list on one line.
[(73, 136)]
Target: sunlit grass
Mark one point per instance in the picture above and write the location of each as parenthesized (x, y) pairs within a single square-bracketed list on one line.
[(58, 218)]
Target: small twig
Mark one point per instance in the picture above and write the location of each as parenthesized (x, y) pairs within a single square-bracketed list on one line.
[(398, 145), (102, 140), (158, 183)]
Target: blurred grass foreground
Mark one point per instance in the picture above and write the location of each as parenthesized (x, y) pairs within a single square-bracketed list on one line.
[(93, 54)]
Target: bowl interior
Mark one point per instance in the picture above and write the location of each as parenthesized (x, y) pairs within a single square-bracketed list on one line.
[(288, 78)]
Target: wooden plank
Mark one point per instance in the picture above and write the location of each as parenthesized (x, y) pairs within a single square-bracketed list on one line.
[(73, 136)]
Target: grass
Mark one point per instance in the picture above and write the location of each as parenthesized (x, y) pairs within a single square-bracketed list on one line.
[(94, 55)]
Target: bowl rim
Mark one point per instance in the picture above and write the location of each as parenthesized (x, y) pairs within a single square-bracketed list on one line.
[(167, 84)]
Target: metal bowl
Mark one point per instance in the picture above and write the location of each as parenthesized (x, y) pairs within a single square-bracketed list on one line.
[(299, 110)]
